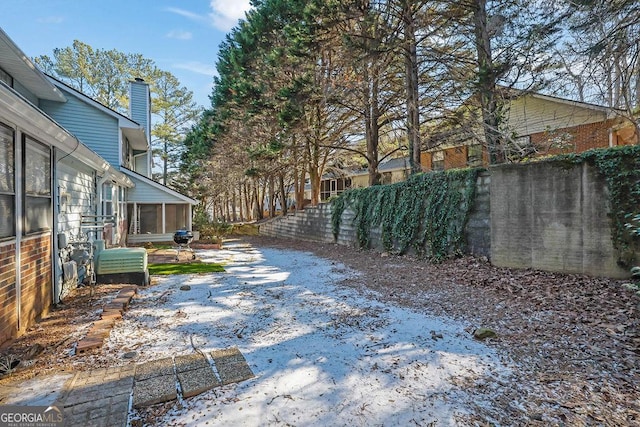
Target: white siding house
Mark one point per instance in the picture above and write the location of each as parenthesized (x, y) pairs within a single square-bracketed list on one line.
[(535, 113)]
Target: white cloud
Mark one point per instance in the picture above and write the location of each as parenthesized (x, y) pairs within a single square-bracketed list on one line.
[(180, 35), (197, 67), (225, 14), (185, 13)]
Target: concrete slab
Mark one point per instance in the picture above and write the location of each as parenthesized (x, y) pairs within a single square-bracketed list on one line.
[(189, 362), (231, 365), (99, 397), (38, 391), (154, 390), (154, 368), (234, 373), (197, 381)]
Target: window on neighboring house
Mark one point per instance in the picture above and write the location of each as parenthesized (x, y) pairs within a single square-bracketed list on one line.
[(386, 178), (126, 153), (437, 161), (521, 148), (6, 77), (474, 155), (37, 185), (7, 182), (328, 188)]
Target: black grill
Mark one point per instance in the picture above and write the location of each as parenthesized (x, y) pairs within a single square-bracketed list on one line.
[(182, 237)]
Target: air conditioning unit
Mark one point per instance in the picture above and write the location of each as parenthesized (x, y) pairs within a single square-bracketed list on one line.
[(122, 265)]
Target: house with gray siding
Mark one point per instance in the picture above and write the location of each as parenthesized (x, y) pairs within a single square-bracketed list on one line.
[(147, 211), (48, 181)]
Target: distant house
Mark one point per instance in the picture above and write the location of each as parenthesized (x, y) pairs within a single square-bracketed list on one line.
[(47, 182), (333, 183), (539, 125), (146, 211), (391, 171)]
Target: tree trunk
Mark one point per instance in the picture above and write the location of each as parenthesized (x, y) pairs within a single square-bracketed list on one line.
[(227, 213), (272, 196), (314, 178), (299, 175), (283, 195), (234, 214), (314, 143), (247, 201), (487, 84), (411, 81), (371, 116)]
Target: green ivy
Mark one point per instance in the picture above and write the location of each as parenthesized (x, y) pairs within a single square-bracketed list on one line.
[(620, 168), (426, 213), (429, 211)]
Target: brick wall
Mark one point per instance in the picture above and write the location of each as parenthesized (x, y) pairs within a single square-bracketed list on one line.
[(455, 157), (575, 139), (8, 321), (36, 285)]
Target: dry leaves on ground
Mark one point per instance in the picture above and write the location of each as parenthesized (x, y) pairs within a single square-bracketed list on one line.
[(577, 338)]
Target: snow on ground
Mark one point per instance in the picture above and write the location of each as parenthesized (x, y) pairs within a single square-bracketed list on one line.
[(321, 354)]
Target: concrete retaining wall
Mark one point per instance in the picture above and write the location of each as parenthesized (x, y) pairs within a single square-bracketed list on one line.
[(550, 217), (542, 215), (314, 224)]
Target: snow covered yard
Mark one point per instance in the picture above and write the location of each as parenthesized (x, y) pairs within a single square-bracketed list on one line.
[(321, 354)]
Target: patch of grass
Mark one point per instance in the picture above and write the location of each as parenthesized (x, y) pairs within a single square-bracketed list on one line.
[(185, 268), (245, 230)]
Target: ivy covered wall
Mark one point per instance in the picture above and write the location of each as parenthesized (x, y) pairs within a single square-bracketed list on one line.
[(426, 214), (574, 213)]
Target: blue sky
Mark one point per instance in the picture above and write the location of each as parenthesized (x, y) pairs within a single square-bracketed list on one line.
[(182, 37)]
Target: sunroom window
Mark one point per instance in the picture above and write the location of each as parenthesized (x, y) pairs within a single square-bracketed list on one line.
[(37, 185), (7, 182)]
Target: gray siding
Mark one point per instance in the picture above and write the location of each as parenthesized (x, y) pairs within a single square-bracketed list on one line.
[(144, 192), (96, 129), (139, 104), (75, 180)]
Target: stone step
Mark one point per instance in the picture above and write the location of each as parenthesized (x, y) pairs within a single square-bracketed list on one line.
[(231, 365)]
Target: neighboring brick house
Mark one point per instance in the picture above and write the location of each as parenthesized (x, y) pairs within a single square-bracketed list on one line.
[(541, 125), (390, 170)]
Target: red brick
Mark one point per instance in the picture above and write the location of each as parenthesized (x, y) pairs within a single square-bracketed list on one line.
[(87, 344), (111, 315)]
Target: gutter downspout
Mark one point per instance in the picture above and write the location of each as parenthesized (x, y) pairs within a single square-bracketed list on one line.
[(19, 188), (56, 271)]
